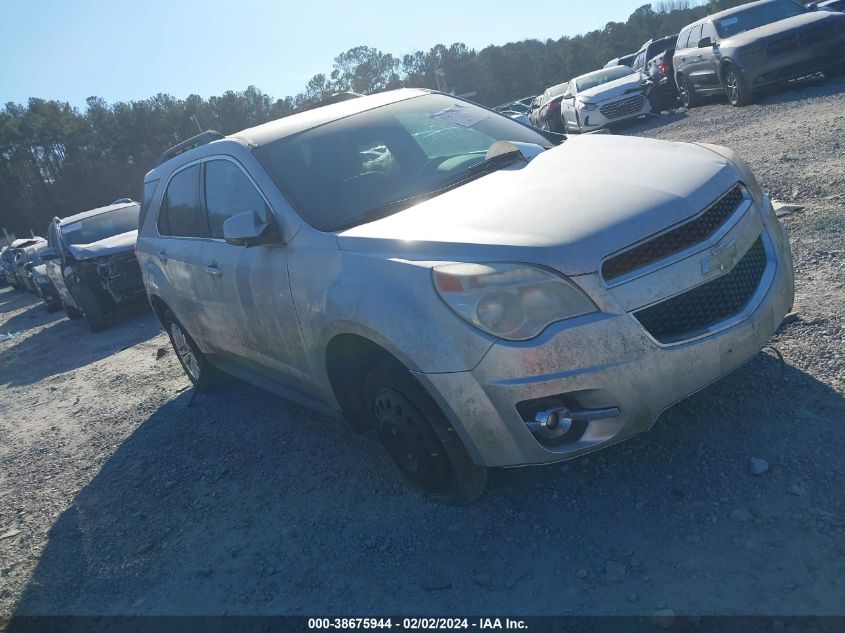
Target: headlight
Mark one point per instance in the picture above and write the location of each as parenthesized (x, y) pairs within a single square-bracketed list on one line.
[(587, 107), (511, 301), (745, 173)]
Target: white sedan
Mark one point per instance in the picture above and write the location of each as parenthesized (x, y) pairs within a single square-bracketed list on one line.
[(603, 97)]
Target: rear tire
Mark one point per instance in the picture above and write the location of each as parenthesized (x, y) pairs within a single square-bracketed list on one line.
[(686, 93), (419, 438), (203, 375), (90, 307), (736, 91)]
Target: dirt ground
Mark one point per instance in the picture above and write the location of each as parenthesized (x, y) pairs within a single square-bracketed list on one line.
[(117, 498)]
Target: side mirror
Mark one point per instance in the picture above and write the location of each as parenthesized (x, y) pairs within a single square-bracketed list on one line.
[(48, 254), (568, 95), (705, 42), (247, 229), (29, 265)]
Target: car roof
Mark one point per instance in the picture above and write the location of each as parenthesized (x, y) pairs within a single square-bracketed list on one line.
[(87, 214), (302, 121), (729, 12), (597, 72)]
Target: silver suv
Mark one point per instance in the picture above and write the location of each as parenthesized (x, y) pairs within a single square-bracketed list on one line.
[(447, 279)]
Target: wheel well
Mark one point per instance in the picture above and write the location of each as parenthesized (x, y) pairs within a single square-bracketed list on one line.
[(159, 306), (349, 358), (722, 67)]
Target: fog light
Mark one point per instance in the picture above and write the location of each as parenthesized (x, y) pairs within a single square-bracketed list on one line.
[(551, 421)]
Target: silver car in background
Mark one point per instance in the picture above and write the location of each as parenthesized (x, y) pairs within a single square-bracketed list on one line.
[(449, 280), (604, 97)]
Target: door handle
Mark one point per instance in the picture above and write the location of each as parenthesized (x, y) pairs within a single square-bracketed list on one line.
[(162, 255), (213, 270)]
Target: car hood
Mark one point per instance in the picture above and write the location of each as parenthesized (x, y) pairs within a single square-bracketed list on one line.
[(778, 28), (613, 89), (568, 208), (109, 246)]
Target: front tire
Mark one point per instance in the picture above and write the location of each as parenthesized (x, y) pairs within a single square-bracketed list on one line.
[(419, 438), (202, 374), (72, 313), (90, 307), (686, 93), (735, 89)]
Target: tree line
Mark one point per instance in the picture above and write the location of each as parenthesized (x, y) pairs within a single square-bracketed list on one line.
[(56, 159)]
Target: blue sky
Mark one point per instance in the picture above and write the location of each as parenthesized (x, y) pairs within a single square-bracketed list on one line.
[(123, 50)]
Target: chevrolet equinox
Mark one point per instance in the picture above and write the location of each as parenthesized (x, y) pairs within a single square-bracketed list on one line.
[(474, 292)]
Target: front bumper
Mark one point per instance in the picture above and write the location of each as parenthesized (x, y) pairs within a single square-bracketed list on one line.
[(771, 70), (600, 118), (608, 360)]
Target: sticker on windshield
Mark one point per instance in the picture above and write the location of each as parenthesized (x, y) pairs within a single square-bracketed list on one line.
[(70, 228), (461, 115), (728, 22)]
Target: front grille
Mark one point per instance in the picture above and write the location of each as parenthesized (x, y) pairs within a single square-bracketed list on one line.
[(817, 34), (689, 314), (783, 45), (808, 37), (618, 109), (676, 240)]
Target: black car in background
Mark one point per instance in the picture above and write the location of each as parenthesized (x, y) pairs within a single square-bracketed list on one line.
[(660, 70), (546, 116)]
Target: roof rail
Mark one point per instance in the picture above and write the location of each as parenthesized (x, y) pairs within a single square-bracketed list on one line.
[(195, 141)]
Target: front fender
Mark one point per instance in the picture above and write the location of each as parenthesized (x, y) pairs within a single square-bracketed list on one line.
[(391, 302)]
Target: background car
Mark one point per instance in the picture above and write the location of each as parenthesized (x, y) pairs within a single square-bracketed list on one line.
[(661, 71), (24, 256), (625, 60), (44, 287), (91, 262), (603, 97), (643, 62), (547, 115), (739, 51)]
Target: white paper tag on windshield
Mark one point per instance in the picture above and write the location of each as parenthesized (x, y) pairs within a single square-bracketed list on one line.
[(70, 228), (461, 115), (728, 21)]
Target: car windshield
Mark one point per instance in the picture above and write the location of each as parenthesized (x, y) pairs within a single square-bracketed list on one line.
[(369, 165), (757, 16), (99, 227), (601, 77)]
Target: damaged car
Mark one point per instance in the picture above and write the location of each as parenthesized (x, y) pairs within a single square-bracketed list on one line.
[(91, 261), (483, 295)]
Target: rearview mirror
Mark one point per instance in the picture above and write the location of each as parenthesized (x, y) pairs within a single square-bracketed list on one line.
[(705, 42), (248, 229), (48, 254)]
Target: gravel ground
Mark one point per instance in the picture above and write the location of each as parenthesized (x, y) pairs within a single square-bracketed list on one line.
[(117, 498)]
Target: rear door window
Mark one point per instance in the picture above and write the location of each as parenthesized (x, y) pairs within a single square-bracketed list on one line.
[(182, 214), (694, 36), (229, 192)]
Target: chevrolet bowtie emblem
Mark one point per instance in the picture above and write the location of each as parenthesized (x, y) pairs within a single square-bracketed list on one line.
[(719, 260)]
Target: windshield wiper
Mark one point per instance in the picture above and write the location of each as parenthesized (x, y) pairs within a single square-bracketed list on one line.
[(496, 162)]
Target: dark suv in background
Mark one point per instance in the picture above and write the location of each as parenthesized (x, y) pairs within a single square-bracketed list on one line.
[(756, 45)]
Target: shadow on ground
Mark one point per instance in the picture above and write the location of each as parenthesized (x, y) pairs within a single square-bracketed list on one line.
[(28, 358), (247, 504)]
